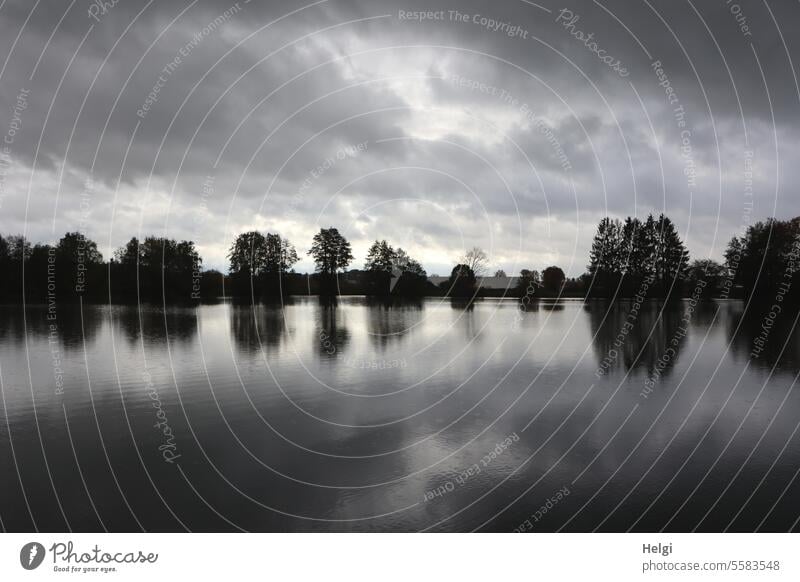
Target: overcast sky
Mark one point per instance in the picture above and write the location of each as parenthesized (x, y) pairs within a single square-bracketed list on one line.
[(501, 126)]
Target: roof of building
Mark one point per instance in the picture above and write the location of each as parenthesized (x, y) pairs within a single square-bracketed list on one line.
[(485, 282)]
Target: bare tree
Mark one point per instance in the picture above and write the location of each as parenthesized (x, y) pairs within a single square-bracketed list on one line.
[(476, 259)]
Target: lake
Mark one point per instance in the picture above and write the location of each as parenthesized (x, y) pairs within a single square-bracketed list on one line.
[(437, 415)]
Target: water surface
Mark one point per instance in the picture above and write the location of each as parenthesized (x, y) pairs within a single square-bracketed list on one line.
[(361, 415)]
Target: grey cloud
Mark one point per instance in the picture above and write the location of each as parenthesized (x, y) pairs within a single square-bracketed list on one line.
[(390, 78)]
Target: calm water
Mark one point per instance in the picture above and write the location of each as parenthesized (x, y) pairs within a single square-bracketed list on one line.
[(363, 416)]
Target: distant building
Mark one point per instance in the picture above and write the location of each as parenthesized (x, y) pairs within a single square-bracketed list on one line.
[(483, 282)]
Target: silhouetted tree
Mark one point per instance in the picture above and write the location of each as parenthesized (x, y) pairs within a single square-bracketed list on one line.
[(529, 283), (279, 257), (17, 250), (380, 261), (476, 259), (461, 282), (41, 283), (408, 277), (79, 265), (380, 257), (280, 254), (641, 248), (766, 259), (248, 254), (553, 279), (404, 263), (331, 252), (607, 256), (159, 269), (155, 270), (627, 253), (257, 263), (394, 271), (672, 258), (130, 253), (500, 273)]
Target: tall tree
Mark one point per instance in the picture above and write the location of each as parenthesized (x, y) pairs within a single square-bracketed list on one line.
[(645, 246), (77, 262), (766, 259), (75, 247), (632, 256), (248, 254), (631, 251), (330, 251), (156, 269), (381, 257), (403, 263), (733, 258), (607, 256), (672, 258), (476, 259), (279, 254)]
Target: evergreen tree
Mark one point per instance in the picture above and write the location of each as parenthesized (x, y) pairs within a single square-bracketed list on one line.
[(672, 256), (733, 258), (632, 255), (607, 256), (646, 245)]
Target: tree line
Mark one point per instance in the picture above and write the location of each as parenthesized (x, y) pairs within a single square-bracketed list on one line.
[(628, 258), (153, 270), (648, 258), (631, 255)]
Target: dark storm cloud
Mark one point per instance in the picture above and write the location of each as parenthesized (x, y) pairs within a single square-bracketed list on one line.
[(501, 128)]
